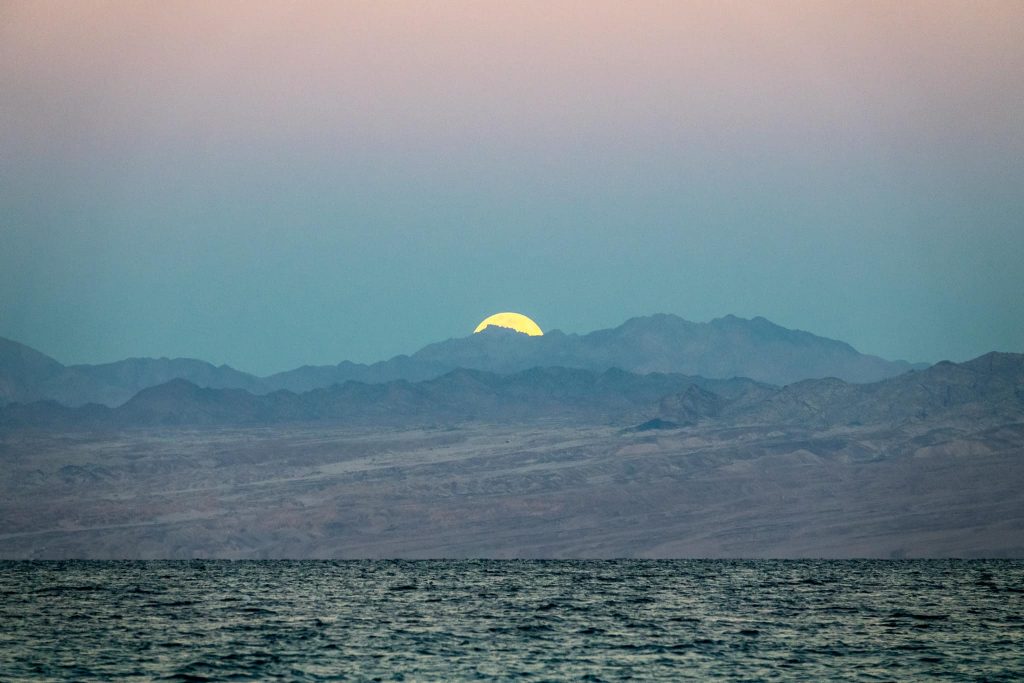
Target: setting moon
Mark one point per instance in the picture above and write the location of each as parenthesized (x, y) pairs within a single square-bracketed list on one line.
[(512, 321)]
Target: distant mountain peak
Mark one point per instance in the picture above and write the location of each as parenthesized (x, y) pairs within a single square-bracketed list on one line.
[(498, 331), (730, 346)]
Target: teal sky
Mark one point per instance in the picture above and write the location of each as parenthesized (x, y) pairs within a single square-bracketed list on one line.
[(274, 184)]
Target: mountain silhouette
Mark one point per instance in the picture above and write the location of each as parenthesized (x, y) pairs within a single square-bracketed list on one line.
[(723, 348), (458, 396), (990, 387), (720, 349), (28, 375), (24, 372)]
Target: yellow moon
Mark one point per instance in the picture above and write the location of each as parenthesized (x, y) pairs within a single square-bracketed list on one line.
[(513, 321)]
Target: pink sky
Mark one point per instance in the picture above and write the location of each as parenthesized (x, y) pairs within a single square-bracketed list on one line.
[(213, 168), (509, 74)]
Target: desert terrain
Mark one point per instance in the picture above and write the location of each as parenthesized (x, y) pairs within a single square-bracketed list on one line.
[(546, 489)]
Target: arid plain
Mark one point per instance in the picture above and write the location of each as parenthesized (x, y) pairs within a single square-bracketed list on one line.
[(541, 489)]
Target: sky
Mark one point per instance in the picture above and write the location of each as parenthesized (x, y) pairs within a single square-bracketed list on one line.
[(272, 184)]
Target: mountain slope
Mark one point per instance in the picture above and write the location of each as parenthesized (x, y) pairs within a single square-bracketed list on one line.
[(27, 375), (988, 388), (613, 396), (24, 372), (735, 347), (723, 348), (458, 396), (115, 383)]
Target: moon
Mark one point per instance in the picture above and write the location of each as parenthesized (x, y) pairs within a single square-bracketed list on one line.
[(512, 321)]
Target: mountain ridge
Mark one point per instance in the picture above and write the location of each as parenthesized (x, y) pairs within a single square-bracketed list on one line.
[(458, 396), (990, 387), (719, 349)]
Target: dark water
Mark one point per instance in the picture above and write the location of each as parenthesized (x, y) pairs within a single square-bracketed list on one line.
[(525, 620)]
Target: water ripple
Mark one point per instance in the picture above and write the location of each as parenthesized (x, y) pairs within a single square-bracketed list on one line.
[(465, 620)]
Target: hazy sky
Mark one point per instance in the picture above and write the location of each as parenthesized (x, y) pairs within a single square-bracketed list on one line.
[(269, 184)]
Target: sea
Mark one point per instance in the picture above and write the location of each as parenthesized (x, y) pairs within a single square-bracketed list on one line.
[(512, 620)]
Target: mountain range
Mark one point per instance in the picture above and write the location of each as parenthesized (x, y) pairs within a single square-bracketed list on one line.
[(559, 446), (988, 387), (721, 349), (612, 396), (548, 462)]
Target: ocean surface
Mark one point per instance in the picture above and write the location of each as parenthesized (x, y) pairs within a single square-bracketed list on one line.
[(523, 620)]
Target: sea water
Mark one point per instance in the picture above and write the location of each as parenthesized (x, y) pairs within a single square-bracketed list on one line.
[(522, 620)]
